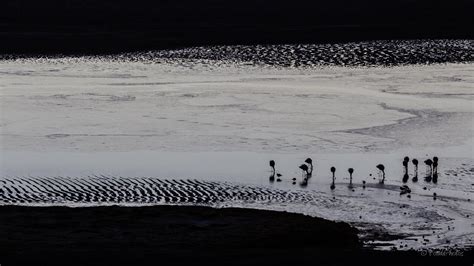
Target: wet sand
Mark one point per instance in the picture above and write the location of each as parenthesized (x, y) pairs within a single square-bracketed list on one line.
[(183, 235)]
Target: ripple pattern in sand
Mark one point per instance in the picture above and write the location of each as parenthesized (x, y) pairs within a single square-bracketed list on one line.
[(126, 190)]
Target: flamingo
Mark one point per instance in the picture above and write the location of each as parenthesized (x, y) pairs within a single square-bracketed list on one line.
[(435, 169), (435, 165), (382, 169), (406, 160), (333, 170), (304, 167), (309, 161), (415, 177), (351, 171), (272, 165), (429, 165)]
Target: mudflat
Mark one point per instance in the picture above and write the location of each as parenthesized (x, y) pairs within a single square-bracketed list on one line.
[(116, 235)]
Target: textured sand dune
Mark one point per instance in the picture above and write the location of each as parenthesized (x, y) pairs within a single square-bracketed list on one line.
[(116, 190)]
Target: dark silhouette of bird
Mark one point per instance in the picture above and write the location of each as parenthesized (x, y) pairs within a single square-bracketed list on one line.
[(272, 165), (415, 174), (429, 170), (351, 171), (304, 182), (435, 170), (429, 163), (406, 160), (309, 161), (405, 165), (304, 167), (435, 178), (333, 171), (405, 178), (381, 167)]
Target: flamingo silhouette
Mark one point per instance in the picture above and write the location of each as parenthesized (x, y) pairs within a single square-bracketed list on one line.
[(429, 164), (406, 160), (415, 177), (405, 165), (429, 169), (304, 167), (272, 165), (309, 161), (381, 167), (435, 169), (333, 170), (351, 171)]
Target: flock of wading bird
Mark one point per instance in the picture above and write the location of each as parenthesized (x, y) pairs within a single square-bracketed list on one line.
[(307, 168)]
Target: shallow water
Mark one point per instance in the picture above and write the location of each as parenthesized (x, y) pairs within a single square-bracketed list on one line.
[(198, 126), (371, 53)]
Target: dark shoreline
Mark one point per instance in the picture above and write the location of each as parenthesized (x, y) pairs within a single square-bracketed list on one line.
[(183, 235)]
